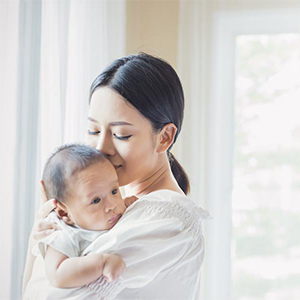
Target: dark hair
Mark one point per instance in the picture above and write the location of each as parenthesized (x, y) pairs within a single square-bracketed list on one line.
[(63, 164), (152, 86)]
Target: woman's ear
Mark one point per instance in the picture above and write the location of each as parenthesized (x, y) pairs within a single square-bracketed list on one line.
[(166, 137), (62, 213)]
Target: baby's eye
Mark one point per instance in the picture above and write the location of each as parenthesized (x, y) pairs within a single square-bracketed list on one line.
[(96, 200), (115, 191)]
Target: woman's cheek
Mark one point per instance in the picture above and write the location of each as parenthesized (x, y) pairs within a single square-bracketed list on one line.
[(91, 141), (131, 161)]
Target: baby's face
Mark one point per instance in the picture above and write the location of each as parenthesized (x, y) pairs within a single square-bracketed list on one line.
[(95, 201)]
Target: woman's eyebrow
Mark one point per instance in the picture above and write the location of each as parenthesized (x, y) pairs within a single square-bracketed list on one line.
[(120, 123), (92, 120)]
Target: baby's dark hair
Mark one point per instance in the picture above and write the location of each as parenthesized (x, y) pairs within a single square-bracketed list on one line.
[(63, 164)]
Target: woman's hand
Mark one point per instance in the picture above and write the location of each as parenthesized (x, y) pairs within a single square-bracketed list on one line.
[(42, 228)]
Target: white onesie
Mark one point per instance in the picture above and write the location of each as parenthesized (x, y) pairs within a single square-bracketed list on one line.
[(71, 240)]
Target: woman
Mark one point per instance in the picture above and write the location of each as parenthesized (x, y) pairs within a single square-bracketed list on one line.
[(135, 116)]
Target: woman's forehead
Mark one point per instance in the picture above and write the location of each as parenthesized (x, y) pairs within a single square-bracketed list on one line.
[(107, 106)]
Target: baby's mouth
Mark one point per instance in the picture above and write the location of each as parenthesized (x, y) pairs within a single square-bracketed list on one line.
[(114, 219), (117, 167)]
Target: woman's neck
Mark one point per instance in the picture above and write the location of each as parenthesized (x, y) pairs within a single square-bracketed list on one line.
[(160, 178)]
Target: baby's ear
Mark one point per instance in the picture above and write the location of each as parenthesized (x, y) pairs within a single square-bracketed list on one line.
[(60, 212)]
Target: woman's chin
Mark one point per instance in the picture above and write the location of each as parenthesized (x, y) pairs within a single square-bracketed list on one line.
[(123, 179)]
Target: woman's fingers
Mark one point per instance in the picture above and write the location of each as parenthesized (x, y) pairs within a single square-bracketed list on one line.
[(45, 225), (45, 209), (43, 192), (44, 228), (37, 235)]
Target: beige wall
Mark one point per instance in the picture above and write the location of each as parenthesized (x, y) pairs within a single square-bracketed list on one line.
[(152, 27)]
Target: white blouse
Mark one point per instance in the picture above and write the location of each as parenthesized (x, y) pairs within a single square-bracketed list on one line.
[(161, 242)]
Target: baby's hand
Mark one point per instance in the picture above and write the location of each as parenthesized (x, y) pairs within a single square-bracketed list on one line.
[(114, 267), (129, 200)]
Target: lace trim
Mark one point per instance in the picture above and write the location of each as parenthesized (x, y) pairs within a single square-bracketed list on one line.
[(191, 220), (106, 290)]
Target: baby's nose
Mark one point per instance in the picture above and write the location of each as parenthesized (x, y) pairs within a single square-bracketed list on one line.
[(110, 204)]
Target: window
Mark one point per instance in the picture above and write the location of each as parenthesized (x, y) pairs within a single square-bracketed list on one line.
[(266, 182), (253, 155)]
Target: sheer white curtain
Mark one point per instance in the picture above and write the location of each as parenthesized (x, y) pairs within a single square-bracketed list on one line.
[(9, 13), (79, 38), (193, 69), (50, 53)]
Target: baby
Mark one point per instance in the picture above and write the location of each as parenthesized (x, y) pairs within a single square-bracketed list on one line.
[(85, 184)]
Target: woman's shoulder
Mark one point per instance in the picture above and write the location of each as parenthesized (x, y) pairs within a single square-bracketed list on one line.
[(171, 205), (162, 198)]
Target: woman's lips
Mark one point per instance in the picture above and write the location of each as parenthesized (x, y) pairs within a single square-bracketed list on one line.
[(117, 167)]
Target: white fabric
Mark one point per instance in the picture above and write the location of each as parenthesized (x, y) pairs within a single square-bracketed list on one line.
[(71, 240), (193, 146), (78, 40), (9, 16), (159, 238), (50, 53)]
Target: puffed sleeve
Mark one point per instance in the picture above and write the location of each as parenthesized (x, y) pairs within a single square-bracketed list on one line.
[(60, 240), (151, 237)]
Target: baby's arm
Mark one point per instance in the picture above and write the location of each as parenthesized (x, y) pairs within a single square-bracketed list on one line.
[(65, 272)]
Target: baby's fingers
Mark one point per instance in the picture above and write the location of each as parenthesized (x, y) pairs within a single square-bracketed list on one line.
[(129, 200)]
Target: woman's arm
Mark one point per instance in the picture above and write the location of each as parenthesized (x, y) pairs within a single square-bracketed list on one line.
[(65, 272), (153, 237), (40, 230), (29, 263)]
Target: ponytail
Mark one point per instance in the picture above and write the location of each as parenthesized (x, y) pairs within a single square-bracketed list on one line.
[(179, 174)]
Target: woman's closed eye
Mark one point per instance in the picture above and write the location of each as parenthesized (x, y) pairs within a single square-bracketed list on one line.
[(92, 132), (96, 200), (122, 138)]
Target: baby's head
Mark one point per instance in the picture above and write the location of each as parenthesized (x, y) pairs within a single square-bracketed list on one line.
[(85, 184)]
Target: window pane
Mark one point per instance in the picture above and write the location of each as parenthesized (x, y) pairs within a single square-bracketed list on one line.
[(266, 187)]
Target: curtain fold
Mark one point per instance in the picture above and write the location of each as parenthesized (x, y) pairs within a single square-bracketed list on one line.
[(63, 45), (26, 114), (9, 15), (193, 69)]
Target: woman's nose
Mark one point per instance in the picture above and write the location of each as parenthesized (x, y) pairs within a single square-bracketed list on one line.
[(105, 145)]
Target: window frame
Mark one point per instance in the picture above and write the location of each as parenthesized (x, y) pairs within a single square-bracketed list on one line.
[(226, 25)]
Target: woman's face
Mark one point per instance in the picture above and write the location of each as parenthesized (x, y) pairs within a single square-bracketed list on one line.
[(117, 129)]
